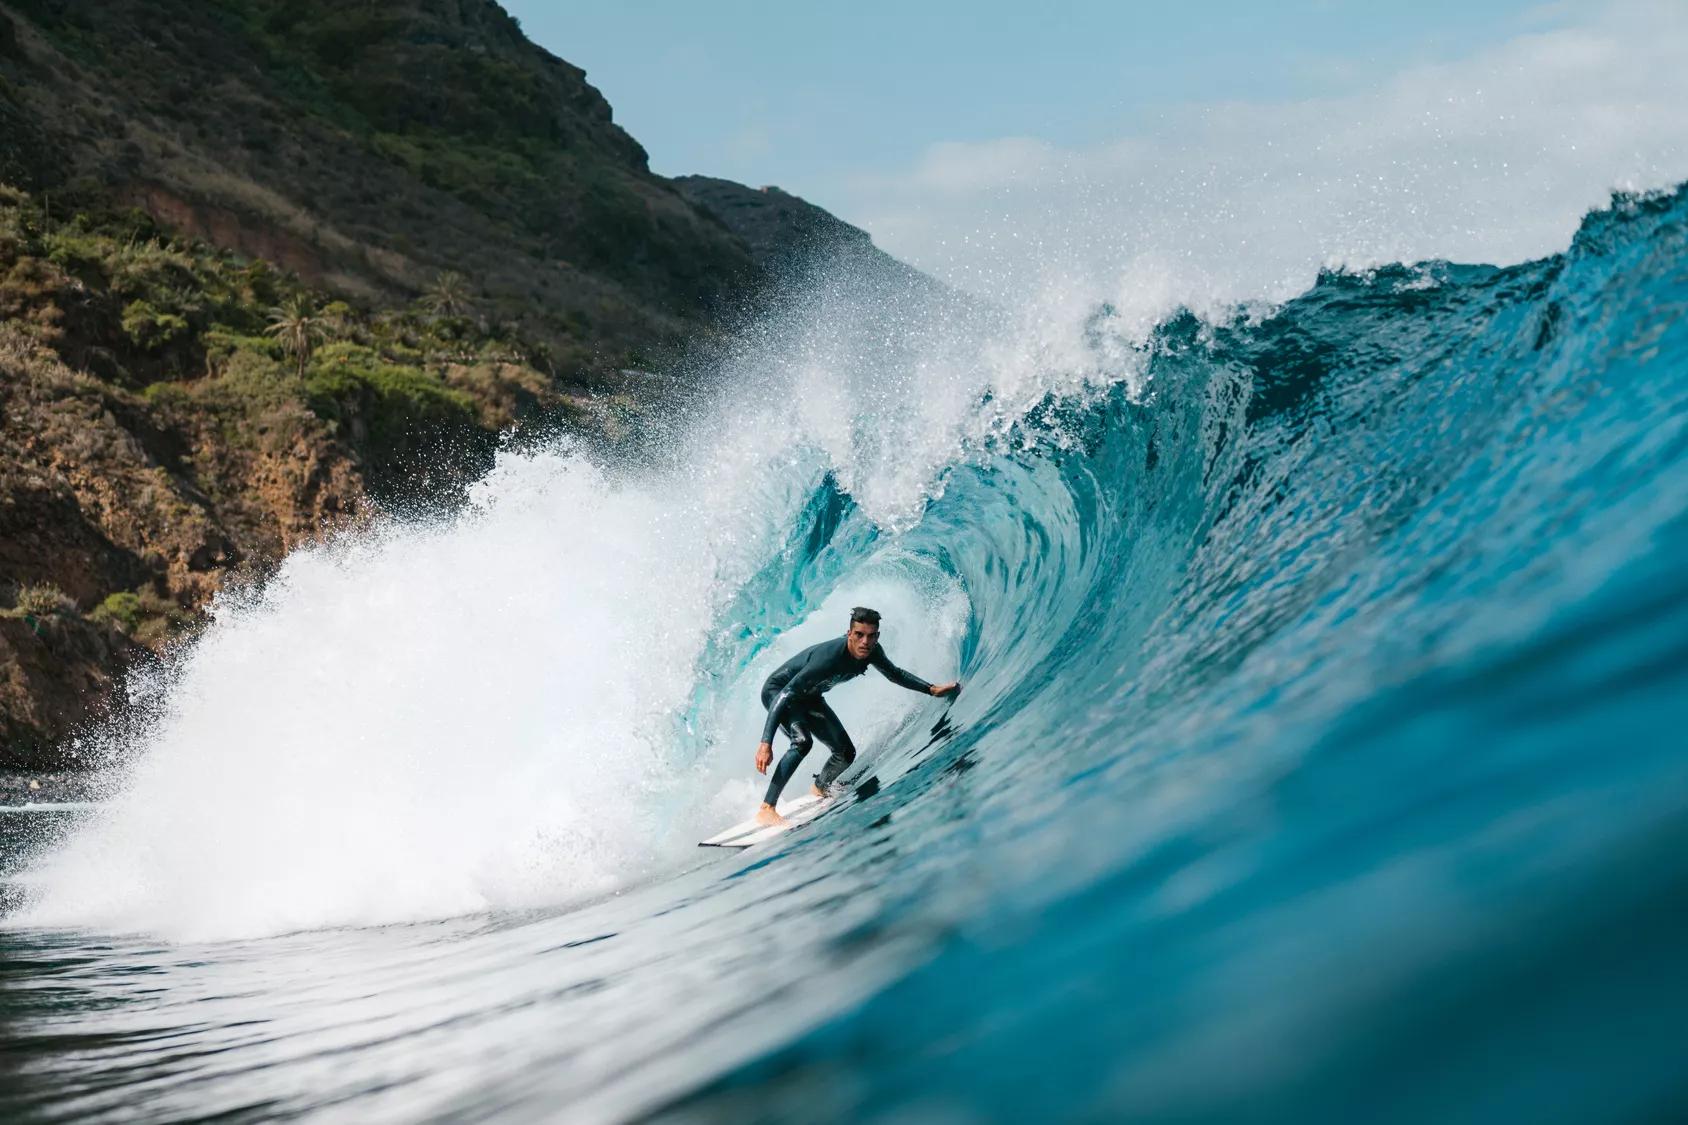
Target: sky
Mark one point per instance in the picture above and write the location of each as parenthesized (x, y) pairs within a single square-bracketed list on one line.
[(1223, 145)]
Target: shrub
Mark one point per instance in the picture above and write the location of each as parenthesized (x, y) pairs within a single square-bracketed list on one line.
[(169, 395), (399, 415), (260, 378), (76, 250), (123, 610), (339, 319), (222, 345), (147, 618), (141, 269), (45, 599), (395, 397), (151, 328)]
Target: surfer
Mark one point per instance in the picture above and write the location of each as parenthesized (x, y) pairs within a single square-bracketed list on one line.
[(793, 693)]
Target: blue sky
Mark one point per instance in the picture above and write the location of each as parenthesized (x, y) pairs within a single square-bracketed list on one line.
[(1217, 150), (804, 94)]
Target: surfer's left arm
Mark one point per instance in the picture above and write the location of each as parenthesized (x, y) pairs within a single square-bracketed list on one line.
[(908, 679)]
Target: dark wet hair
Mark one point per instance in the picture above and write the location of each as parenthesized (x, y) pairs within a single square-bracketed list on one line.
[(862, 613)]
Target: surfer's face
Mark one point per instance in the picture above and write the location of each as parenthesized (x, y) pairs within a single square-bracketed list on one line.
[(861, 638)]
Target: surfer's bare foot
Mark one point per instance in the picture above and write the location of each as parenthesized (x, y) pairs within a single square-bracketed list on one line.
[(768, 815), (816, 791)]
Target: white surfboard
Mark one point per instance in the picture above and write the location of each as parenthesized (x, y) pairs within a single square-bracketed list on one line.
[(798, 810)]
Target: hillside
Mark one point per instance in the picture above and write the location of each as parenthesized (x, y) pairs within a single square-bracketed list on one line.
[(791, 239), (368, 148)]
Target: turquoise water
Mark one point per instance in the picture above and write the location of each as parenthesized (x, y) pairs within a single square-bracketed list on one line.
[(1321, 758)]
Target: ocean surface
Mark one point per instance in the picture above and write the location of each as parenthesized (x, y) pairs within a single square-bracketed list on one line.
[(1322, 753)]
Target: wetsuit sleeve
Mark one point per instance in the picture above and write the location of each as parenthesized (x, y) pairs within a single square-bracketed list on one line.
[(807, 675), (774, 710), (895, 674)]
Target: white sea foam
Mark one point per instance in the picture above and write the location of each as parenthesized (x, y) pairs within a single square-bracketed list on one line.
[(500, 707)]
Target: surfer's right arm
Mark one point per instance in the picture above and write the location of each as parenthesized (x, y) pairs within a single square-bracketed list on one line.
[(810, 670), (772, 723), (765, 748)]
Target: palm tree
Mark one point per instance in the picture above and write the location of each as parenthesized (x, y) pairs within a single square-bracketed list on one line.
[(448, 298), (298, 328)]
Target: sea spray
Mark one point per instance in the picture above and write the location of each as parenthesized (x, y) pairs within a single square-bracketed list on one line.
[(498, 707)]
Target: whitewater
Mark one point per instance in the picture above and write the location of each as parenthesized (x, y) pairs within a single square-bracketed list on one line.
[(1319, 756)]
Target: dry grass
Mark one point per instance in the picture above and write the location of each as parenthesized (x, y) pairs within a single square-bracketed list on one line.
[(43, 600)]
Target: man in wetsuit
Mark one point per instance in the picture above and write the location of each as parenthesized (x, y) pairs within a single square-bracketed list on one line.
[(792, 696)]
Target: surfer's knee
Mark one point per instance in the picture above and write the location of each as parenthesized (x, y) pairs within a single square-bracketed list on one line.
[(843, 750), (842, 757)]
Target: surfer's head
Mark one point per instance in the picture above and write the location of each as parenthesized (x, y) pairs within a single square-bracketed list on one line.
[(864, 632)]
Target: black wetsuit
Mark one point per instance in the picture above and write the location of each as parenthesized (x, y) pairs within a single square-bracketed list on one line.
[(792, 696)]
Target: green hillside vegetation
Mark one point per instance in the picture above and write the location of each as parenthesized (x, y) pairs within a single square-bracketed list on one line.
[(191, 327), (369, 148)]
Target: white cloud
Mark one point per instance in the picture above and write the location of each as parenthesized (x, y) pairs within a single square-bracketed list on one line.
[(1494, 157)]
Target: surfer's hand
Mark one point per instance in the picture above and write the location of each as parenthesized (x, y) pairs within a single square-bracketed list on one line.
[(764, 756), (946, 689)]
